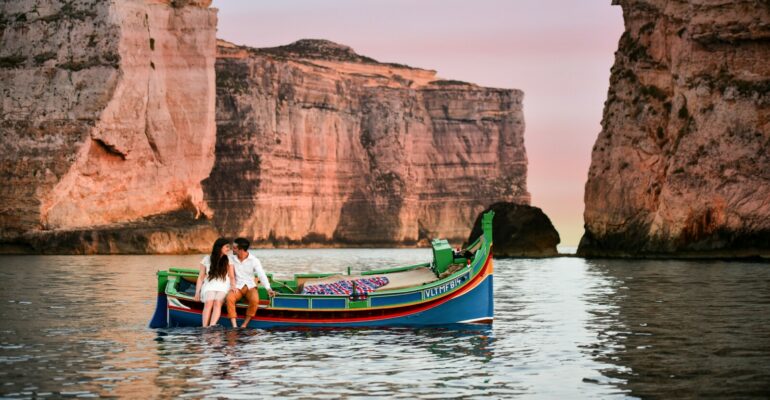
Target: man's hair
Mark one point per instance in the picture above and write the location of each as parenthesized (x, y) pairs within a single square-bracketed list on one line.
[(242, 243)]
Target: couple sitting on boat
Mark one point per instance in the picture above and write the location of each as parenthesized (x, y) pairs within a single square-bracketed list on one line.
[(226, 277)]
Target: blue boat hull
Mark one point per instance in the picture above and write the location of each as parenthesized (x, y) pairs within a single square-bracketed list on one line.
[(160, 317)]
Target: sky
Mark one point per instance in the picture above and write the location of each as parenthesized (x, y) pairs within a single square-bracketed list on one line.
[(559, 52)]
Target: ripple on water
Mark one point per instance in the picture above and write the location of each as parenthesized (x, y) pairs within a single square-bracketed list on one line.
[(564, 328)]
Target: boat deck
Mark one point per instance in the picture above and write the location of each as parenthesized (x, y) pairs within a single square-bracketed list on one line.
[(396, 280)]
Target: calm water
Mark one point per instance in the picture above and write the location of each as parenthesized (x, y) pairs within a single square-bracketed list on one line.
[(564, 328)]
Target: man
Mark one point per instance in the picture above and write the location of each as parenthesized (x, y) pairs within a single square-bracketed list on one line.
[(245, 266)]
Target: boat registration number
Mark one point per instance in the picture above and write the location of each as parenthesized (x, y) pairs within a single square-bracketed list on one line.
[(447, 287)]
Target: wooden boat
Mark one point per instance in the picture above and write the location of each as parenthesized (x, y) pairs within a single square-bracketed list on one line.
[(455, 287)]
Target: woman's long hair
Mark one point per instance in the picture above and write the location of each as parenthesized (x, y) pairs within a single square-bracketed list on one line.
[(219, 261)]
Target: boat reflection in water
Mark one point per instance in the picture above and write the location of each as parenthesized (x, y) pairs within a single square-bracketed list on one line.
[(288, 361)]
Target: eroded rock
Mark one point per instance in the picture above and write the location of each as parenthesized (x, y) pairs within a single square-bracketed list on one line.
[(519, 230), (682, 164)]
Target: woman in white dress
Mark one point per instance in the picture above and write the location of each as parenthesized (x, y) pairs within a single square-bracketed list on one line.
[(214, 281)]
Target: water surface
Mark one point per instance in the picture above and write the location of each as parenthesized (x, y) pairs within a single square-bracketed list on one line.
[(564, 327)]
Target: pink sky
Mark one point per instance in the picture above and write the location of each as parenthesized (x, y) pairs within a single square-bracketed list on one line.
[(558, 52)]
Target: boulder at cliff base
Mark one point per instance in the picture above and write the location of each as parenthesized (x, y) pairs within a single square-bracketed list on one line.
[(519, 231)]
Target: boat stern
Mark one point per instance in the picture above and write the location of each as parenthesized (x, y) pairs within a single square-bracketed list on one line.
[(160, 317)]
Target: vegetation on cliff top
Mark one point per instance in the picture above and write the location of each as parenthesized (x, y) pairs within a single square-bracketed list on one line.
[(319, 49)]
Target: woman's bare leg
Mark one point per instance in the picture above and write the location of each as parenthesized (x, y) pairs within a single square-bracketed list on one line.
[(216, 312), (207, 312)]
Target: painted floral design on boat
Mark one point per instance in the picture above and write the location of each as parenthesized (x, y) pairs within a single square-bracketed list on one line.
[(345, 286)]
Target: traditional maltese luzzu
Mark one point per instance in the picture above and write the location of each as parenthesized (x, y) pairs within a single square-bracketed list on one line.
[(454, 288)]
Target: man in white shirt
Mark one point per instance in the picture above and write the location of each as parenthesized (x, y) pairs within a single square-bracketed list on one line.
[(245, 266)]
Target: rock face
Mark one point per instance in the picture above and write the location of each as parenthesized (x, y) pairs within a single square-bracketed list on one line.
[(317, 144), (682, 164), (107, 115), (177, 232), (519, 230)]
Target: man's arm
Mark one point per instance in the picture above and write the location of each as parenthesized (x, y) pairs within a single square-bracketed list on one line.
[(261, 274)]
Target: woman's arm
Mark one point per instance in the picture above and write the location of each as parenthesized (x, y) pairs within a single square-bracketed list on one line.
[(231, 274), (199, 283)]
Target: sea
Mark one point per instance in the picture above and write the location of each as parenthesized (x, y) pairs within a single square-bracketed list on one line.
[(565, 327)]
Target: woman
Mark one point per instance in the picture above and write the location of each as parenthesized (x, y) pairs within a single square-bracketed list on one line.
[(214, 279)]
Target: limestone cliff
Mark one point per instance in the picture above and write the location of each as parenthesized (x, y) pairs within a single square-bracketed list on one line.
[(107, 114), (317, 144), (682, 164)]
